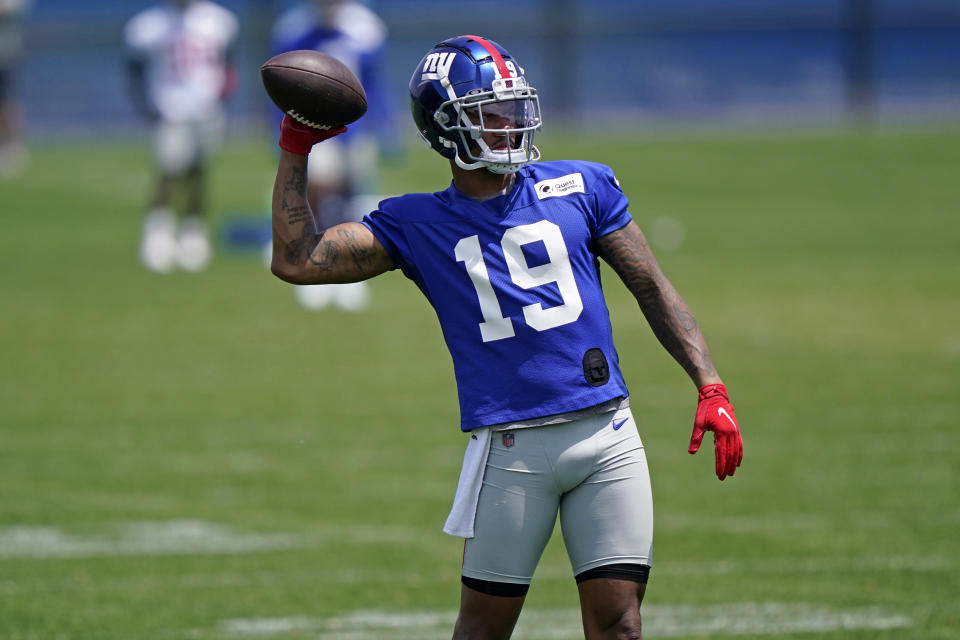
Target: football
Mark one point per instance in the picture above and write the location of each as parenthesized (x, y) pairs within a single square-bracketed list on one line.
[(313, 88)]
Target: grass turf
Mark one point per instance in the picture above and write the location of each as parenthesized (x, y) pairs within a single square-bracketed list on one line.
[(180, 451)]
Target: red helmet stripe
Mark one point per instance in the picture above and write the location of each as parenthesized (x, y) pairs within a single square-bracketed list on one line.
[(492, 50)]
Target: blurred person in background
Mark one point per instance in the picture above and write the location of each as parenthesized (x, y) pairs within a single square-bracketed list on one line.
[(180, 73), (509, 257), (343, 179), (13, 153)]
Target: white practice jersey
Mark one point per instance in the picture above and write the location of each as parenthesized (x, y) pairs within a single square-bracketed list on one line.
[(11, 29), (185, 53)]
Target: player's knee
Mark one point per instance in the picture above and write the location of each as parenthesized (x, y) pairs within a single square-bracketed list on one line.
[(478, 630), (488, 610), (611, 597), (612, 622), (490, 626), (624, 627)]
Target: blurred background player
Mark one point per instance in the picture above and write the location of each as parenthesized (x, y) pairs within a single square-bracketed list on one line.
[(13, 153), (178, 59), (343, 175)]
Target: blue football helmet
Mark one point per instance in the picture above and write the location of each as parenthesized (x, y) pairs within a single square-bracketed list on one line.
[(471, 103)]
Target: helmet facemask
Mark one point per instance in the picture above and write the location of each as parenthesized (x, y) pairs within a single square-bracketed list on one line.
[(495, 127)]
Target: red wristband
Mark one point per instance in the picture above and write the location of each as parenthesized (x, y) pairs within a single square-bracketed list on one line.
[(299, 138)]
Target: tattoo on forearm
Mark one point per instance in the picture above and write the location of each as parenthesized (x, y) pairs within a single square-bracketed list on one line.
[(343, 253), (295, 249), (293, 205), (672, 322), (296, 181), (296, 214), (295, 184), (677, 330)]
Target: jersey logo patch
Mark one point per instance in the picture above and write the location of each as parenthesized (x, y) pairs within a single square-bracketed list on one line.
[(508, 440), (562, 186)]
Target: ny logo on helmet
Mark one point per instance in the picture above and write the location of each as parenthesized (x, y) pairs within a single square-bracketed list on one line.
[(437, 65)]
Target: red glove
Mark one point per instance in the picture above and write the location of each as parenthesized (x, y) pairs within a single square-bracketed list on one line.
[(298, 138), (715, 413)]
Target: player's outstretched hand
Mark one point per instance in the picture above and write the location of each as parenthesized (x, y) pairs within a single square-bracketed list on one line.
[(299, 138), (715, 413)]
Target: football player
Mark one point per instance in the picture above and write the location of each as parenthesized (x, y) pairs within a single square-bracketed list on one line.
[(342, 175), (179, 70), (13, 153), (508, 256)]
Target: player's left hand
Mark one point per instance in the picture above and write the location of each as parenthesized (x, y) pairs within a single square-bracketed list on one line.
[(715, 413), (299, 138)]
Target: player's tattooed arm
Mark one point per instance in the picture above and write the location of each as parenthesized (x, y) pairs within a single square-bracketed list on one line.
[(349, 252), (298, 229), (303, 255), (627, 251)]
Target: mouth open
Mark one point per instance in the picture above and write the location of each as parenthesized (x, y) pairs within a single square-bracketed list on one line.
[(505, 142)]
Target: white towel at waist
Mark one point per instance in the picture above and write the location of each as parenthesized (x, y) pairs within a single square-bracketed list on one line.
[(463, 513)]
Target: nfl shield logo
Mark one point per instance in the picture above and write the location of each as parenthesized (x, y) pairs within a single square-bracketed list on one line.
[(508, 439)]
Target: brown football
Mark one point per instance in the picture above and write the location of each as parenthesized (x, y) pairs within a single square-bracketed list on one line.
[(314, 88)]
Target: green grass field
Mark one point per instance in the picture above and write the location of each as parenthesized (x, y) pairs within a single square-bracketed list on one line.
[(195, 457)]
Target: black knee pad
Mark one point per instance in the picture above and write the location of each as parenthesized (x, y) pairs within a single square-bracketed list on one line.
[(633, 572), (501, 589)]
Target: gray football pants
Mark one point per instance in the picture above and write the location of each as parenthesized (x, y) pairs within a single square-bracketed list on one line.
[(592, 471)]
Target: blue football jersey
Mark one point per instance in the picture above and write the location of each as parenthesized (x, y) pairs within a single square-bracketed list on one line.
[(515, 283)]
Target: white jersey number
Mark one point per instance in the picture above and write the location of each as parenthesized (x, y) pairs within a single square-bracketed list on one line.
[(558, 269)]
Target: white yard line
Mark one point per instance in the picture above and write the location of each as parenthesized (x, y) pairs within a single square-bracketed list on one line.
[(169, 537), (662, 621), (201, 537)]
